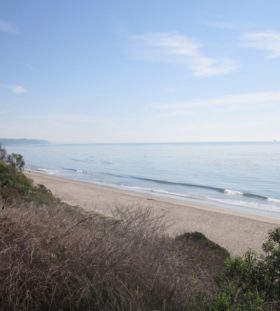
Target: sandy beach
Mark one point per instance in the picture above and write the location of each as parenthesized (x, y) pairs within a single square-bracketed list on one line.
[(236, 232)]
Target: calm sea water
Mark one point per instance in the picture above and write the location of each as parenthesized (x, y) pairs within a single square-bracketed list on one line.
[(239, 176)]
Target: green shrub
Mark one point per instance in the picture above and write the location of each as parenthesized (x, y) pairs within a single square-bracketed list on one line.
[(3, 154), (231, 300), (15, 186), (251, 283), (15, 160)]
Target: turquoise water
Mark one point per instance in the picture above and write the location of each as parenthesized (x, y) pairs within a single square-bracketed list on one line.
[(239, 176)]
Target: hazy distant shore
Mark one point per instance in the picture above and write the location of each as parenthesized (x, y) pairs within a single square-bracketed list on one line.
[(229, 229)]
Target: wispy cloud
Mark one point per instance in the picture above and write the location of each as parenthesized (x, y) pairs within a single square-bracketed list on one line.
[(180, 49), (8, 27), (268, 42), (14, 88), (230, 101)]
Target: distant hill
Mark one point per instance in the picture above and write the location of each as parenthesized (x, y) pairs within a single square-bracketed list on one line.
[(21, 141)]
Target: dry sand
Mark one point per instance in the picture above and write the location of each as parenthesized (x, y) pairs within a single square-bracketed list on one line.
[(236, 232)]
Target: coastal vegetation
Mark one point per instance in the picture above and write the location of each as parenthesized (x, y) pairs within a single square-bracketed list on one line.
[(54, 256)]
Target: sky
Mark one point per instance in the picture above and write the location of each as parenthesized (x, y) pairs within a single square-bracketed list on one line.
[(125, 71)]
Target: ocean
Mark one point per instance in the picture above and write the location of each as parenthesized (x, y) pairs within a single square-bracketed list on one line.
[(244, 177)]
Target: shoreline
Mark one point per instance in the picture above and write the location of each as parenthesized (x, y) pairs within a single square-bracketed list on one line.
[(235, 231)]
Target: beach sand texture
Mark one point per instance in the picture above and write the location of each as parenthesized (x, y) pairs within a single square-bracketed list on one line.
[(236, 232)]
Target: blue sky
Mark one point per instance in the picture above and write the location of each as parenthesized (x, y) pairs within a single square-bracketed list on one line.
[(140, 71)]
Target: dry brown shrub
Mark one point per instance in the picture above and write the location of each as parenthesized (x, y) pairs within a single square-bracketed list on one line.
[(50, 260)]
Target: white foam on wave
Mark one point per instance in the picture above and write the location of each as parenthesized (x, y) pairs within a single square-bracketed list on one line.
[(265, 207), (164, 192), (160, 192), (73, 170), (249, 205), (137, 188), (45, 171), (232, 192), (272, 200)]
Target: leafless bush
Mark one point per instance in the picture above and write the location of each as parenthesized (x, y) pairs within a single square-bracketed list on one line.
[(49, 260)]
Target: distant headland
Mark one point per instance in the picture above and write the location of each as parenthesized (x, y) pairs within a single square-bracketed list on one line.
[(21, 141)]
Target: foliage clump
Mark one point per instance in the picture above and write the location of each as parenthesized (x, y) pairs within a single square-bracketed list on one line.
[(252, 283), (15, 186), (15, 160)]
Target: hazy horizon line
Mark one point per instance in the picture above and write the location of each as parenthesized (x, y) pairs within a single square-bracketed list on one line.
[(143, 142)]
